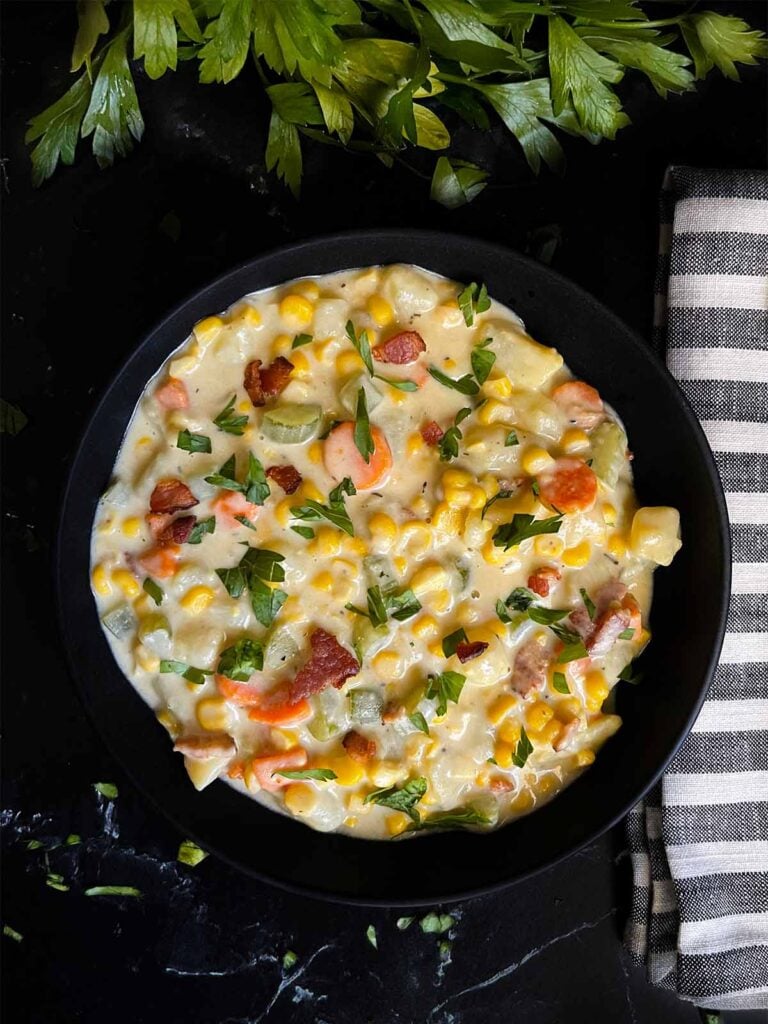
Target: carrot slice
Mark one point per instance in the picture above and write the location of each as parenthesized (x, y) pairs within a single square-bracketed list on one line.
[(242, 694), (281, 714), (263, 767), (269, 708), (160, 563), (569, 485), (343, 459), (228, 504), (581, 403), (172, 394)]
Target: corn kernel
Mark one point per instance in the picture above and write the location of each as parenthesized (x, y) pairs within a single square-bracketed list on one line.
[(212, 714), (535, 460), (502, 754), (428, 579), (387, 664), (283, 511), (383, 530), (584, 758), (315, 452), (596, 689), (327, 542), (397, 396), (300, 798), (537, 716), (420, 506), (324, 349), (574, 440), (491, 412), (386, 773), (132, 526), (546, 784), (283, 739), (578, 556), (169, 722), (207, 329), (498, 387), (127, 582), (323, 581), (397, 822), (354, 545), (449, 364), (441, 601), (101, 584), (309, 289), (497, 555), (489, 484), (196, 600), (616, 545), (349, 363), (446, 519), (509, 731), (308, 490), (250, 316), (549, 545), (356, 802), (568, 708), (609, 514), (348, 772), (400, 564), (488, 631), (281, 345), (476, 529), (415, 529), (501, 708), (451, 315), (146, 660), (415, 444), (523, 802), (300, 362), (436, 649), (297, 310), (456, 478), (424, 626), (457, 497), (350, 821), (476, 497), (380, 310)]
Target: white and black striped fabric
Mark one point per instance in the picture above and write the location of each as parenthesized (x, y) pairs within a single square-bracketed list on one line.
[(699, 841)]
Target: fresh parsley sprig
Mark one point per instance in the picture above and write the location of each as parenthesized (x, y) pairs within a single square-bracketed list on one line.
[(401, 798), (254, 485), (229, 422), (523, 527), (256, 570), (448, 444), (335, 512), (402, 605), (473, 300)]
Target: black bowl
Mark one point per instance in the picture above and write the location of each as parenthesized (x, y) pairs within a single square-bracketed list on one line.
[(673, 466)]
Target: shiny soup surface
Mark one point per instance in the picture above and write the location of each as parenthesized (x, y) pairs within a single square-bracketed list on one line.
[(374, 557)]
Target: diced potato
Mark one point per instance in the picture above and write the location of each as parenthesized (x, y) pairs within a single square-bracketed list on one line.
[(409, 292), (655, 534), (527, 363), (203, 773)]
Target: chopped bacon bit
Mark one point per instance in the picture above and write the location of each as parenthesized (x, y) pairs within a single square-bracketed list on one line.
[(329, 664), (499, 784), (543, 580), (172, 394), (580, 621), (276, 376), (358, 747), (178, 531), (252, 382), (157, 522), (202, 748), (530, 668), (400, 349), (288, 477), (171, 496), (392, 711), (432, 433), (236, 770), (467, 650)]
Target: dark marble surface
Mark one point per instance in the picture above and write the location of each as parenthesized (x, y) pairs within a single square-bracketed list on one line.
[(91, 261)]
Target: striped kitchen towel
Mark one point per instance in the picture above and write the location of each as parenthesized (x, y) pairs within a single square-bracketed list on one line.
[(699, 841)]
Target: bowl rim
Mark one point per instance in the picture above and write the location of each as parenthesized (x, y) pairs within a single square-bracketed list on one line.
[(294, 251)]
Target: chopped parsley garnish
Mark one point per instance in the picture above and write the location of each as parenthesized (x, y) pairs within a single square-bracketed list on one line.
[(466, 385), (245, 521), (304, 531), (449, 442), (626, 634), (445, 687), (54, 881), (313, 511), (462, 817), (301, 339), (523, 527), (482, 360), (573, 644), (401, 798), (473, 299), (546, 616), (154, 591), (188, 672), (113, 890), (106, 789), (254, 486), (201, 528), (318, 774), (418, 721), (401, 606), (629, 675), (228, 422), (370, 934), (523, 750), (193, 442), (452, 641), (511, 440), (362, 431), (241, 660), (559, 682), (401, 385), (361, 343), (589, 604), (520, 599), (190, 853), (257, 568)]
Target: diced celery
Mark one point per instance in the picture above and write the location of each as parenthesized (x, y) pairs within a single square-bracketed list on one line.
[(366, 706), (291, 424), (120, 622), (367, 639), (609, 452), (279, 649), (321, 727)]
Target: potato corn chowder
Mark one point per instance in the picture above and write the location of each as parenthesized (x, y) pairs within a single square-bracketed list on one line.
[(373, 556)]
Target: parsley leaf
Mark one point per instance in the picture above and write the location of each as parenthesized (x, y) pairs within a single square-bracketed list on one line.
[(304, 531), (720, 40), (228, 422), (193, 442), (154, 32), (113, 890), (511, 440), (419, 722), (241, 660), (401, 798), (201, 528), (225, 476), (154, 590), (472, 300), (318, 774), (266, 602), (106, 789), (482, 360), (466, 385), (255, 486), (335, 512), (523, 750), (500, 495), (400, 385), (523, 527), (113, 116), (283, 154), (448, 444), (456, 182), (559, 682), (573, 644), (362, 430), (12, 419), (520, 599), (188, 672), (92, 22), (377, 611), (546, 616), (362, 345), (444, 688), (301, 339), (629, 675), (452, 641), (402, 606), (462, 817), (589, 604), (58, 130), (626, 634)]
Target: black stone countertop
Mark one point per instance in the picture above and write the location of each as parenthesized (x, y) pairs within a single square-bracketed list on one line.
[(91, 261)]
